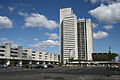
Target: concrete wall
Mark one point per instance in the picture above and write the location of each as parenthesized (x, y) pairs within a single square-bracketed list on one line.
[(30, 55), (37, 55), (7, 50), (48, 56), (20, 51), (43, 55)]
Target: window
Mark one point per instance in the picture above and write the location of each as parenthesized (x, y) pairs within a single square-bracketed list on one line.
[(2, 50)]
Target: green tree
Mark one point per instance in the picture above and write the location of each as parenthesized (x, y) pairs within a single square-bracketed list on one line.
[(12, 62), (30, 62), (119, 57), (71, 59), (111, 56), (79, 60)]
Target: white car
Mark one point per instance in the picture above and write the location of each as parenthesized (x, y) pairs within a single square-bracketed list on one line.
[(45, 66)]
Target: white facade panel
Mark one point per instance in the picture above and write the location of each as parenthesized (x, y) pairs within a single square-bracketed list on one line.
[(89, 38)]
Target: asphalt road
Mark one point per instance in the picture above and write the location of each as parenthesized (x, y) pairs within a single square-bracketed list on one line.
[(65, 73)]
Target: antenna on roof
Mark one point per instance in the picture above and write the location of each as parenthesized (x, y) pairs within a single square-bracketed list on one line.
[(109, 49)]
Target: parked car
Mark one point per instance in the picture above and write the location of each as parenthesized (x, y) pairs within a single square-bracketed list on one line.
[(113, 67), (38, 66), (25, 66), (50, 66), (3, 66), (45, 66)]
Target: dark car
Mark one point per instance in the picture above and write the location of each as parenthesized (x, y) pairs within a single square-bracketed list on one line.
[(50, 66), (38, 66), (3, 66), (114, 67), (25, 66)]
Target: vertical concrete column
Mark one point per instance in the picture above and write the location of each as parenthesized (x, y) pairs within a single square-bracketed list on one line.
[(29, 53), (7, 50), (52, 57), (43, 56), (37, 55), (57, 57), (20, 51), (48, 56)]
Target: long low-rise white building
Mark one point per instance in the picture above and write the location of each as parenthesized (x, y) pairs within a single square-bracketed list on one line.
[(20, 56)]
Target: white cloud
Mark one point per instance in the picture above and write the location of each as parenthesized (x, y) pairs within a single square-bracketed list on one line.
[(5, 22), (107, 14), (3, 41), (94, 25), (35, 39), (10, 8), (1, 6), (85, 0), (20, 38), (22, 14), (94, 1), (100, 35), (108, 27), (45, 44), (52, 35), (38, 20), (25, 5), (102, 1)]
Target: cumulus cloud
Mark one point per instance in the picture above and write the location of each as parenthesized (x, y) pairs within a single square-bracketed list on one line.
[(1, 6), (35, 39), (20, 38), (3, 41), (108, 27), (94, 25), (38, 20), (22, 14), (94, 1), (45, 44), (100, 35), (5, 22), (107, 14), (10, 8), (102, 1), (52, 35)]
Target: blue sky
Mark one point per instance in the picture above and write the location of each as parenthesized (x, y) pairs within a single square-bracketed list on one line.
[(35, 23)]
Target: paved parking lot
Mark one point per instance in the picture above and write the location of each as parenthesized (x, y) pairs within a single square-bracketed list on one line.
[(60, 73)]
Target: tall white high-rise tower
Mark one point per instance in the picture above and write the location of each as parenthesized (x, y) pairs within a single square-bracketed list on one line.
[(71, 37), (85, 39), (68, 35)]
